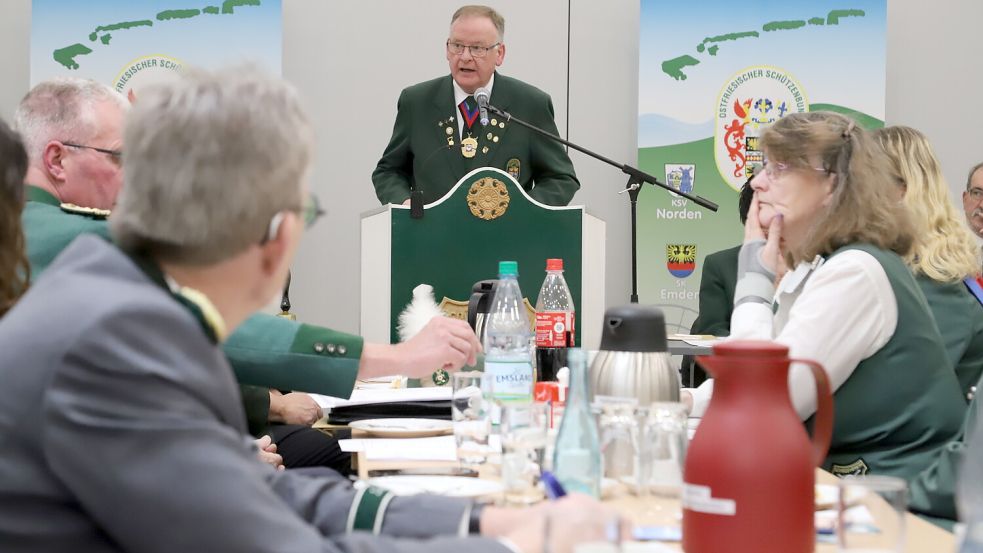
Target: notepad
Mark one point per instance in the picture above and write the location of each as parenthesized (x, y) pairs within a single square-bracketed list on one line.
[(384, 395), (440, 448)]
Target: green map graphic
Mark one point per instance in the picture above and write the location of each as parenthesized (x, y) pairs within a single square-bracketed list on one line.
[(177, 14), (673, 67), (68, 55), (783, 25)]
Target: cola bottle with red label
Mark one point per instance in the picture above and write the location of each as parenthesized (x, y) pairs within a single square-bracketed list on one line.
[(555, 322)]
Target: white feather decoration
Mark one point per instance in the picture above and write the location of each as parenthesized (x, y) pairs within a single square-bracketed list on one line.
[(418, 312)]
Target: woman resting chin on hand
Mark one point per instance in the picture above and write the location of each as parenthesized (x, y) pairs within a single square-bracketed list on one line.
[(822, 204)]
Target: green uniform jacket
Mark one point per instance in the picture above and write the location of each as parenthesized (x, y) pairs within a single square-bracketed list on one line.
[(932, 492), (960, 320), (902, 405), (959, 316), (425, 149), (716, 304), (265, 351), (717, 293)]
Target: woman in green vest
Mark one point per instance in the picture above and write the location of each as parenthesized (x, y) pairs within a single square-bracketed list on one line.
[(945, 255), (827, 208), (14, 269)]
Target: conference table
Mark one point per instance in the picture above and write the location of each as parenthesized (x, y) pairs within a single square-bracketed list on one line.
[(922, 536), (682, 347)]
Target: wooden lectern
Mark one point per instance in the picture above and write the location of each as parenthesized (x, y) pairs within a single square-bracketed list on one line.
[(485, 218)]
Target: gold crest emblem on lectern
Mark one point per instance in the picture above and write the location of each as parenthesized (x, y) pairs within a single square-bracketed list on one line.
[(455, 309), (488, 198)]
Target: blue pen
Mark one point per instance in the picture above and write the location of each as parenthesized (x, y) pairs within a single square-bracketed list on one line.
[(554, 490)]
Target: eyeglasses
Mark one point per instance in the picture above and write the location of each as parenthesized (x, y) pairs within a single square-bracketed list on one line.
[(774, 170), (457, 49), (309, 212), (117, 155), (975, 193)]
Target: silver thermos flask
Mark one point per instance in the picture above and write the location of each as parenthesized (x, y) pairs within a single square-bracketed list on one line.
[(634, 359)]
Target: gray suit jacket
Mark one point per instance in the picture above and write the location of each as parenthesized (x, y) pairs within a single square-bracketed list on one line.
[(121, 430)]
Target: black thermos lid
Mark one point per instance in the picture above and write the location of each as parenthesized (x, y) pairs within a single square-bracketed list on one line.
[(634, 328)]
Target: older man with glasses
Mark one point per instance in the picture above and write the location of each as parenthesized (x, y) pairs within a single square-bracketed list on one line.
[(973, 199), (438, 137)]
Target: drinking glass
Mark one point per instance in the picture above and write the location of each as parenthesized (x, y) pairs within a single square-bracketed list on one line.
[(524, 428), (667, 440), (660, 452), (617, 425), (470, 412), (871, 514)]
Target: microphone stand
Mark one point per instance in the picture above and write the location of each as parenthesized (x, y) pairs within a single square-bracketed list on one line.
[(416, 194), (285, 302), (416, 203), (636, 178)]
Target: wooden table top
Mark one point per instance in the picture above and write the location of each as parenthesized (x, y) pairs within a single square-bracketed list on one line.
[(922, 536)]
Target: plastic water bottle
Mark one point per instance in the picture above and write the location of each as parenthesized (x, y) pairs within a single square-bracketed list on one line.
[(577, 457), (508, 340), (555, 322)]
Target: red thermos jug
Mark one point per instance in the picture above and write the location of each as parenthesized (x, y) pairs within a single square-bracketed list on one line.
[(750, 468)]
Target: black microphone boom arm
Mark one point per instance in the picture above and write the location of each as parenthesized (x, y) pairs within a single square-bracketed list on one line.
[(636, 177)]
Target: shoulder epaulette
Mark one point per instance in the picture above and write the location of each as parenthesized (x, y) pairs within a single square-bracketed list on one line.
[(93, 212)]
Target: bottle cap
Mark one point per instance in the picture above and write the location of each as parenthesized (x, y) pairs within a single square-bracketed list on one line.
[(508, 268), (634, 328), (554, 264)]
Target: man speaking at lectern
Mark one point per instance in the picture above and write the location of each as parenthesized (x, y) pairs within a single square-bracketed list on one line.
[(438, 136)]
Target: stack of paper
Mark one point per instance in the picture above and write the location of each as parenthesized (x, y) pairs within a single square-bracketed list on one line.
[(384, 395), (439, 448)]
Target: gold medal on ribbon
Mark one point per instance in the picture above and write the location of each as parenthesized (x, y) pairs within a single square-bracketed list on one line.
[(469, 147)]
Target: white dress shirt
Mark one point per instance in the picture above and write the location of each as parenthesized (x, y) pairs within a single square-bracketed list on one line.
[(838, 313)]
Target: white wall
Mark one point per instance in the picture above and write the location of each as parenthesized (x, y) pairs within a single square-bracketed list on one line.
[(350, 58), (15, 43), (935, 79)]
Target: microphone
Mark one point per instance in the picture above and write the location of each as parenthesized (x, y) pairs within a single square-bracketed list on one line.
[(481, 96), (416, 195)]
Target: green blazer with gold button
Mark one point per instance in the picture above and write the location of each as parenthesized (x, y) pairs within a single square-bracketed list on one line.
[(425, 149), (265, 351)]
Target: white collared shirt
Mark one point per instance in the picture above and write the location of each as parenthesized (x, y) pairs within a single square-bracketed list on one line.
[(837, 313), (460, 95)]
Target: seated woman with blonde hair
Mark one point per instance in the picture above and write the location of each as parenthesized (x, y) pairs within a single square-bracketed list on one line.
[(15, 270), (825, 206), (945, 257), (945, 261)]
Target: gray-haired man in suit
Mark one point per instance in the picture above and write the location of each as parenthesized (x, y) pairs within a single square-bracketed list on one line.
[(121, 428)]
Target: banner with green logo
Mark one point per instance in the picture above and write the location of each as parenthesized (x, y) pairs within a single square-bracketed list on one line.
[(712, 75), (129, 44)]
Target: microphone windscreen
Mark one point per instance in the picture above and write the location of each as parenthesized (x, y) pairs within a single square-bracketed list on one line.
[(481, 96)]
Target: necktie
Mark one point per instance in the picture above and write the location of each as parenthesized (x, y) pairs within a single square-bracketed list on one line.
[(469, 114)]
